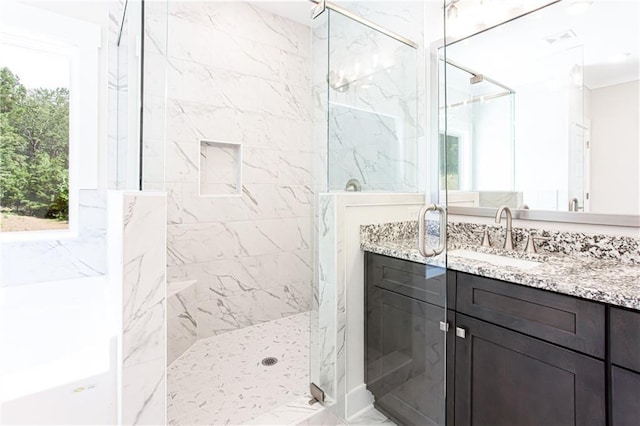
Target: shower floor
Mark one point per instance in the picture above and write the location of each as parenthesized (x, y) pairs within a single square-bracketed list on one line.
[(221, 380)]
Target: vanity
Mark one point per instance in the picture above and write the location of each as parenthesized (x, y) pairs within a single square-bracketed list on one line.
[(543, 339)]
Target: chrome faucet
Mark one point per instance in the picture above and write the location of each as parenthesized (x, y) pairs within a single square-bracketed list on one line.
[(508, 239), (353, 185), (573, 205)]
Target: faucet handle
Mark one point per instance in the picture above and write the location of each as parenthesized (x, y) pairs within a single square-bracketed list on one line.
[(486, 242), (530, 246)]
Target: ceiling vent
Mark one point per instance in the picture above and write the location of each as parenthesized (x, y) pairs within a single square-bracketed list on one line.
[(560, 37)]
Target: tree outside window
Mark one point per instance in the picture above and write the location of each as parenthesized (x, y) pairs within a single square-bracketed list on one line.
[(34, 153)]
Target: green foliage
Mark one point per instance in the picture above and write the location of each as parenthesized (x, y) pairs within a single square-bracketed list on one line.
[(34, 149)]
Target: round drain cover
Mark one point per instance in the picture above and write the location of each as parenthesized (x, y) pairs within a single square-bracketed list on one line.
[(269, 361)]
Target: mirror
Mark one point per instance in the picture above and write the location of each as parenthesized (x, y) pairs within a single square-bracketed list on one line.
[(542, 111)]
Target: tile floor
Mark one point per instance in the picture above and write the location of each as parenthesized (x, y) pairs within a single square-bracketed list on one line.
[(371, 418), (221, 381)]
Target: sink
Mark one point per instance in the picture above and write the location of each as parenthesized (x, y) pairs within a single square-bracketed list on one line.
[(495, 259)]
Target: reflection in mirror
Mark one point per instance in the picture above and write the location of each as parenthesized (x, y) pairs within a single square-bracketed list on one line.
[(543, 111)]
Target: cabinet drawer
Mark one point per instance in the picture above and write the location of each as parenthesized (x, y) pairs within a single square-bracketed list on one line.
[(418, 281), (563, 320), (625, 338)]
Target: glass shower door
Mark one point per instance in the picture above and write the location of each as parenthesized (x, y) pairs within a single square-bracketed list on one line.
[(366, 87)]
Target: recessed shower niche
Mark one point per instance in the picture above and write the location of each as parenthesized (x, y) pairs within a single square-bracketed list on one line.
[(220, 168)]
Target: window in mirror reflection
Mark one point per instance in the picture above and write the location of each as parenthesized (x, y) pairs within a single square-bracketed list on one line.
[(449, 162)]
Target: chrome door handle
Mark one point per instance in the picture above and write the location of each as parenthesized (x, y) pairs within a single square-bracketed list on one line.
[(461, 332), (444, 326), (424, 251)]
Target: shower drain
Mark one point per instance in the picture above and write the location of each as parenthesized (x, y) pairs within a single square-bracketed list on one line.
[(269, 361)]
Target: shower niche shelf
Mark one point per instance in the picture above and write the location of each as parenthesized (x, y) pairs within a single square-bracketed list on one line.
[(220, 169)]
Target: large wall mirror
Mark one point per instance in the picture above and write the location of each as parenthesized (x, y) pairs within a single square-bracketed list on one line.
[(543, 111)]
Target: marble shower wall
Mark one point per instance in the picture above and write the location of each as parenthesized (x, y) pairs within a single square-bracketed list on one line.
[(182, 328), (375, 115), (240, 75), (138, 269)]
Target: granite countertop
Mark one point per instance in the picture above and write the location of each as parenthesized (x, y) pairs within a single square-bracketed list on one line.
[(606, 281)]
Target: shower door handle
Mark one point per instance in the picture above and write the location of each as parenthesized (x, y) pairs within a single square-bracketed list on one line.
[(422, 241)]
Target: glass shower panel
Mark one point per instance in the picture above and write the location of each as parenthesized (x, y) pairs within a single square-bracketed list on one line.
[(125, 147), (479, 146), (152, 163), (372, 110)]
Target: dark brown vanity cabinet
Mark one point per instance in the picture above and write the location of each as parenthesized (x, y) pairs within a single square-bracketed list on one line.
[(624, 335), (506, 378), (404, 344), (516, 358), (515, 355)]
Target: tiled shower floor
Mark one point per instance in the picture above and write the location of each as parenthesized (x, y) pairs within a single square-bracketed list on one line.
[(221, 381)]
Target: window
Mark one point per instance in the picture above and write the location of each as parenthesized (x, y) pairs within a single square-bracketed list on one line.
[(34, 137), (451, 168), (49, 116)]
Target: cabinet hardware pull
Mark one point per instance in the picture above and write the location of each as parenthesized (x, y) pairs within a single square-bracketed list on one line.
[(444, 326), (461, 332)]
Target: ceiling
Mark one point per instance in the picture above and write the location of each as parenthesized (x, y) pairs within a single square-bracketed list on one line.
[(508, 52), (518, 52)]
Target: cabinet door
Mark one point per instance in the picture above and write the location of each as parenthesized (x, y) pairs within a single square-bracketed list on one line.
[(625, 338), (506, 378), (405, 357), (625, 397)]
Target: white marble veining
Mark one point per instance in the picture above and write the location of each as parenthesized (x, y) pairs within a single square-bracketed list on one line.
[(374, 118), (327, 298), (48, 259), (182, 328), (220, 380), (246, 81), (138, 223)]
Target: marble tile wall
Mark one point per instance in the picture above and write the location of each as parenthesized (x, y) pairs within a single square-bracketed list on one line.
[(80, 255), (182, 328), (373, 119), (239, 74), (138, 269), (324, 366), (154, 91), (385, 94)]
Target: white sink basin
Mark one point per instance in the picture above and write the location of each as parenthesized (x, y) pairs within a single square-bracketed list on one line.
[(495, 259)]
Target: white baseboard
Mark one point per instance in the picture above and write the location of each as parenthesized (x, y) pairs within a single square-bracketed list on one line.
[(359, 400)]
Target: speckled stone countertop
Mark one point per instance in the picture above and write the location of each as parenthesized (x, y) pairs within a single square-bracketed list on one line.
[(599, 279)]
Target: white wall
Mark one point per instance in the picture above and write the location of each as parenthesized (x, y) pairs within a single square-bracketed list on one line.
[(615, 149), (541, 146), (492, 144)]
